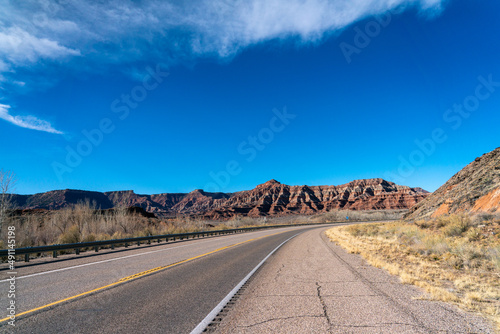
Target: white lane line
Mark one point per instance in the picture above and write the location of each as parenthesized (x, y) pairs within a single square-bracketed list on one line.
[(109, 260), (208, 319), (91, 263)]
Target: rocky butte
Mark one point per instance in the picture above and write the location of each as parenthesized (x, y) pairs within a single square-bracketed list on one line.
[(268, 199)]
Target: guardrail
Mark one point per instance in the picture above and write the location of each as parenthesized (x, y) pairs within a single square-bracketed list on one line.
[(76, 247)]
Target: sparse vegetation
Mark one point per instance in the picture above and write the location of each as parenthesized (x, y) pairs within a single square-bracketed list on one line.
[(362, 215), (455, 258), (85, 222), (81, 222)]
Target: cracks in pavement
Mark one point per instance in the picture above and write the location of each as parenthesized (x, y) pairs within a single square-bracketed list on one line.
[(349, 296), (283, 295), (281, 318), (371, 285), (325, 312), (278, 273)]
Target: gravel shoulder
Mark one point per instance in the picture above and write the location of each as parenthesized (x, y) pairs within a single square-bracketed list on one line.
[(313, 286)]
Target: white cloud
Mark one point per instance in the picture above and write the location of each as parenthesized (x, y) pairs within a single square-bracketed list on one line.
[(19, 47), (124, 31), (28, 122)]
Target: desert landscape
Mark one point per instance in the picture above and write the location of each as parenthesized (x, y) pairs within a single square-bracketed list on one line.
[(448, 244), (65, 216), (257, 166)]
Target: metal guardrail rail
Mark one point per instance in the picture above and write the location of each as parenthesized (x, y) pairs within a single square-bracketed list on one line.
[(26, 251)]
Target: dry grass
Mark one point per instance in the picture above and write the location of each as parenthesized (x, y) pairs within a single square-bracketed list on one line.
[(454, 258), (361, 215), (84, 222)]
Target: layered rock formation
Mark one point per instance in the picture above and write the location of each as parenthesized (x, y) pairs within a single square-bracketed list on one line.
[(270, 198), (274, 198), (476, 188)]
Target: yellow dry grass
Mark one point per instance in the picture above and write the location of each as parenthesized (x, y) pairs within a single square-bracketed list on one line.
[(454, 258)]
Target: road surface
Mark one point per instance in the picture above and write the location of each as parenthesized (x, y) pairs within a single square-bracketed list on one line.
[(308, 286), (192, 278), (313, 286)]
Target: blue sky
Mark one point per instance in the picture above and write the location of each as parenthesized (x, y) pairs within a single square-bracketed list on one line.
[(159, 96)]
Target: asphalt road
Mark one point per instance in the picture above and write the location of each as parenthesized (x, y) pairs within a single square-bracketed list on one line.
[(312, 285), (173, 299)]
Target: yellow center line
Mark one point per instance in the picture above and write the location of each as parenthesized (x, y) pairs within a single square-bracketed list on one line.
[(135, 276)]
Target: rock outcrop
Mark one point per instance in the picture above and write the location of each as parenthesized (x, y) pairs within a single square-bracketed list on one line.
[(268, 199), (274, 198), (476, 188)]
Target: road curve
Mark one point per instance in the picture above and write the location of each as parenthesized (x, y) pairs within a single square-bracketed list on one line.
[(193, 278)]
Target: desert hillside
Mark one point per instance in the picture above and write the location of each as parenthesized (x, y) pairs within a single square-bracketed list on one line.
[(476, 188)]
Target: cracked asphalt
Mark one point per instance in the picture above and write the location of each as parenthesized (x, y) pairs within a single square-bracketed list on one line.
[(173, 300), (313, 286)]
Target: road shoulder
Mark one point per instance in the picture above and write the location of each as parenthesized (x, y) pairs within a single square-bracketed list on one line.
[(313, 286)]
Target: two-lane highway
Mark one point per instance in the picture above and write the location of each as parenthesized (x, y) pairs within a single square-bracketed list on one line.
[(168, 288)]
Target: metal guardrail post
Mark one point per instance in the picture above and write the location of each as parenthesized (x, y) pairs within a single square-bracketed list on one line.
[(54, 254), (96, 248), (26, 258), (77, 251)]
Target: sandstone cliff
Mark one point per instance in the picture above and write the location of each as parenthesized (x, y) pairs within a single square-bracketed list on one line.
[(270, 198), (274, 198)]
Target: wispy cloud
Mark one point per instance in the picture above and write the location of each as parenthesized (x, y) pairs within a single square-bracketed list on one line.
[(125, 31), (28, 122), (19, 47)]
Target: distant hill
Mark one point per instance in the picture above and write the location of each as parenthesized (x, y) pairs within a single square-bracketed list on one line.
[(476, 188), (270, 198)]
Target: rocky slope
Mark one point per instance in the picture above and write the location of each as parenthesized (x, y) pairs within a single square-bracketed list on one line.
[(270, 198), (476, 188), (274, 198)]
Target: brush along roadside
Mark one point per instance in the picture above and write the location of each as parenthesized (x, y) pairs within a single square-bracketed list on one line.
[(454, 258)]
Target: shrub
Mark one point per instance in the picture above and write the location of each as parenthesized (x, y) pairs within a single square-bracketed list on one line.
[(455, 225), (89, 237), (494, 255), (72, 235), (470, 255), (363, 230), (473, 234)]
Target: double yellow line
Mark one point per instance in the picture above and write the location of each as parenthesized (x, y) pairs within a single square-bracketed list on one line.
[(135, 276)]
